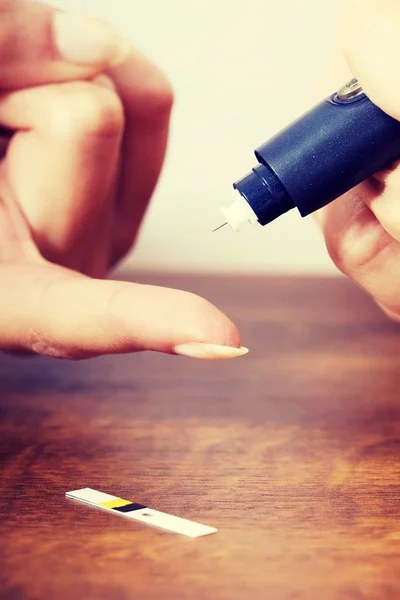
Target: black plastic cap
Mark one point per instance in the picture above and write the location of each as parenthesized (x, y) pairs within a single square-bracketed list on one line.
[(265, 194)]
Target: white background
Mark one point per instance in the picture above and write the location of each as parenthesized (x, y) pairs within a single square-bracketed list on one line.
[(241, 70)]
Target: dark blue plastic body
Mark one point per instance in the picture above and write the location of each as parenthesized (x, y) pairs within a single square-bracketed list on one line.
[(319, 157)]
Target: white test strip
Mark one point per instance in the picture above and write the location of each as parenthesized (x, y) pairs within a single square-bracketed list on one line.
[(141, 513)]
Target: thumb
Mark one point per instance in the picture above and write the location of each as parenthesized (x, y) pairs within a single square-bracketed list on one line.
[(57, 312), (39, 44), (371, 43)]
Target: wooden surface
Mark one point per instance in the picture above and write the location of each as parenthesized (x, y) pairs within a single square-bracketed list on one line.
[(293, 452)]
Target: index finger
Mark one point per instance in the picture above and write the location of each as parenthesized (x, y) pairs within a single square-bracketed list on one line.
[(39, 45), (147, 97)]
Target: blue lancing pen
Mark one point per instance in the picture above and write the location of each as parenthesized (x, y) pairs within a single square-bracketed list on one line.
[(328, 151)]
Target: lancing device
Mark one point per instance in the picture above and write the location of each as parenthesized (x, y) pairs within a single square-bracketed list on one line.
[(332, 148)]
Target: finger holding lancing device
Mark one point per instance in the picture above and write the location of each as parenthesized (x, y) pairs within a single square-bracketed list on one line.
[(39, 44)]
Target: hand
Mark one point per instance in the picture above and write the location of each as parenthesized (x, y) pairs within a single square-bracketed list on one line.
[(362, 229), (90, 120)]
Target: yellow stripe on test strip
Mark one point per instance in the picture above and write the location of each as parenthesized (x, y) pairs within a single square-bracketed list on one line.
[(115, 503)]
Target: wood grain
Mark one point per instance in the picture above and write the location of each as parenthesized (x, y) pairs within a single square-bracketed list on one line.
[(293, 452)]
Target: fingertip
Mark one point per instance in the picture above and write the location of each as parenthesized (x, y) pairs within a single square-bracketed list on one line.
[(206, 323), (160, 319), (84, 40)]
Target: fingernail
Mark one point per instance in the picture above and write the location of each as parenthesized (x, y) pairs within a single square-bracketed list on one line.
[(209, 351), (86, 41)]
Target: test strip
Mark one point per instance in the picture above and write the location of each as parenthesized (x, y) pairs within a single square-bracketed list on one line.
[(141, 513)]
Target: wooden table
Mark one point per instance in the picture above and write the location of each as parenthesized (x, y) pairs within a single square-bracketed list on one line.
[(293, 452)]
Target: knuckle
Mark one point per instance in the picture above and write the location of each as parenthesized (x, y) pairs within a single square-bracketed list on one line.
[(338, 254), (46, 334), (89, 109), (355, 255), (110, 309), (163, 96), (105, 81), (350, 239), (157, 98), (345, 251)]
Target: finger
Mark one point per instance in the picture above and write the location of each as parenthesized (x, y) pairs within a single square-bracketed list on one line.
[(361, 247), (371, 42), (147, 98), (68, 315), (16, 243), (41, 45), (63, 163), (381, 195)]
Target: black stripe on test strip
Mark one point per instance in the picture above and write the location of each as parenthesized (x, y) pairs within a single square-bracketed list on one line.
[(129, 507)]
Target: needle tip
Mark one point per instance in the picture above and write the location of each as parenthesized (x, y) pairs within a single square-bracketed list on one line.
[(219, 227)]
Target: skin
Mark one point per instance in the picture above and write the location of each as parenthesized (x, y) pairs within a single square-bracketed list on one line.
[(362, 229), (77, 176), (75, 181)]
